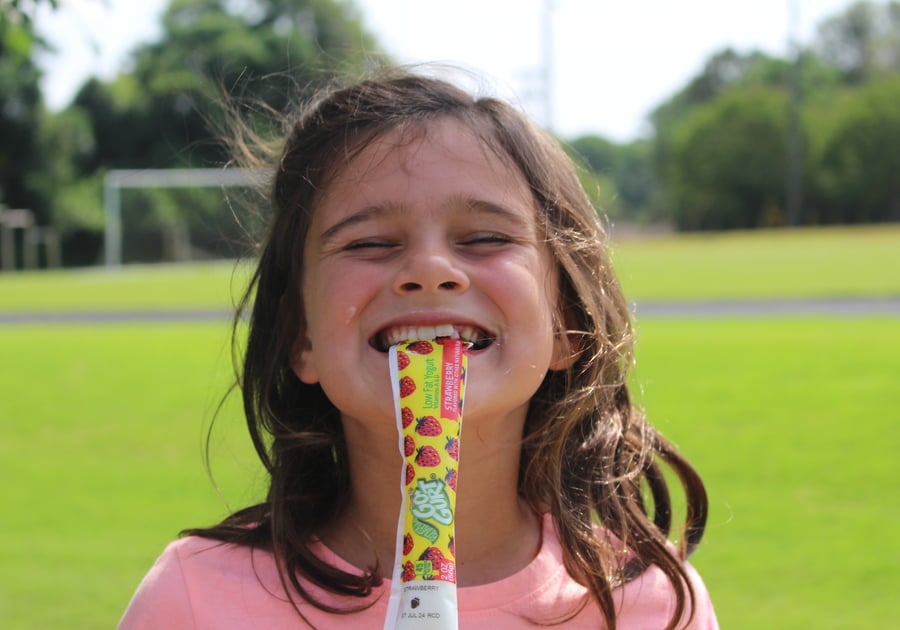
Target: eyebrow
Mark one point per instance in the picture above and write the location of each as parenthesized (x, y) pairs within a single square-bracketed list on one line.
[(360, 216), (469, 205), (481, 206)]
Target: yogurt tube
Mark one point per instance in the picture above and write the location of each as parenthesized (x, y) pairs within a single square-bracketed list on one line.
[(429, 380)]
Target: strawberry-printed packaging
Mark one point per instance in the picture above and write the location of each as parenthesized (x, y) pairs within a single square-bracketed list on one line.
[(429, 380)]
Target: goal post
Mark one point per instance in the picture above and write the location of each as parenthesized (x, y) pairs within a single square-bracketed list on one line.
[(118, 179)]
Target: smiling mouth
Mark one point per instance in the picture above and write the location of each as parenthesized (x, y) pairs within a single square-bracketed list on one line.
[(480, 339)]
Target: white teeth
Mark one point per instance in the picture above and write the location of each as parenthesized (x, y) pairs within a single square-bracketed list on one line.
[(427, 333), (445, 330), (467, 333)]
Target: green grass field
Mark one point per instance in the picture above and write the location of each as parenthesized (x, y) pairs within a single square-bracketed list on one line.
[(104, 432), (792, 422), (823, 262), (199, 285), (794, 425)]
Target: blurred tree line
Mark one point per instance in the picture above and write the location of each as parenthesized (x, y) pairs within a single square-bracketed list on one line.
[(720, 155)]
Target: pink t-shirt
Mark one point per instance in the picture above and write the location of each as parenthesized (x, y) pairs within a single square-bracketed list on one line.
[(200, 583)]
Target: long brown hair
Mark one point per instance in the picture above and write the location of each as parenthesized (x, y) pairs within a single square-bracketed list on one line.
[(588, 457)]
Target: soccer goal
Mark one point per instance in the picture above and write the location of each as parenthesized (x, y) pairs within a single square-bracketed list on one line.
[(118, 180)]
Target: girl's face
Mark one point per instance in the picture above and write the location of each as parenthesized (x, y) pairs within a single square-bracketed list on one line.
[(415, 235)]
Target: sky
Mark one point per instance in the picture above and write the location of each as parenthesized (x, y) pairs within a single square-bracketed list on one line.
[(608, 64)]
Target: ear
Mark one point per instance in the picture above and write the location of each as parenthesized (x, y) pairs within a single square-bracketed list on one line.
[(303, 361)]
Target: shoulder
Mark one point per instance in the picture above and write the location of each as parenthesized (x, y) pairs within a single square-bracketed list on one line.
[(649, 601), (182, 587), (192, 559), (545, 592), (161, 596), (202, 583)]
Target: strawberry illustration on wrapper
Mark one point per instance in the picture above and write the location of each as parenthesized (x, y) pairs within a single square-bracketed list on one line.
[(429, 385)]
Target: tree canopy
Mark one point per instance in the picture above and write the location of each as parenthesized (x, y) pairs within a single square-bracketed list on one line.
[(20, 104)]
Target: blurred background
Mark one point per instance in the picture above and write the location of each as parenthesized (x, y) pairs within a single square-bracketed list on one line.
[(746, 155), (695, 116)]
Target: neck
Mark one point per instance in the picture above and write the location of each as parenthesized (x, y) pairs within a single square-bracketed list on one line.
[(496, 533)]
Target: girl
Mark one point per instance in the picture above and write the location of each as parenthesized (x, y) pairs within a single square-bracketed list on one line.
[(402, 205)]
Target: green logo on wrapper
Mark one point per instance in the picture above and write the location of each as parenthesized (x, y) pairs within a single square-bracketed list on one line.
[(430, 502)]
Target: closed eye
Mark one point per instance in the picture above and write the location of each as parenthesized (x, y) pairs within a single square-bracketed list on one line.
[(369, 244), (486, 238)]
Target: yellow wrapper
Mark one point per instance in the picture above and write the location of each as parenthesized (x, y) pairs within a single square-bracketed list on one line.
[(429, 385)]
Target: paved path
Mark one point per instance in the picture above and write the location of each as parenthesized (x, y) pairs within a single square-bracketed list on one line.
[(847, 307), (862, 307)]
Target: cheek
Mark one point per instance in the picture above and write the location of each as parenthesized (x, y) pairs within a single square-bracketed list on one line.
[(537, 292), (336, 298), (525, 294)]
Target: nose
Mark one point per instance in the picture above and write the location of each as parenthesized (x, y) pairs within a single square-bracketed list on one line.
[(430, 272)]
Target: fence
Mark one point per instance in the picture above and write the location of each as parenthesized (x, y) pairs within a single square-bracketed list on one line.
[(33, 237)]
